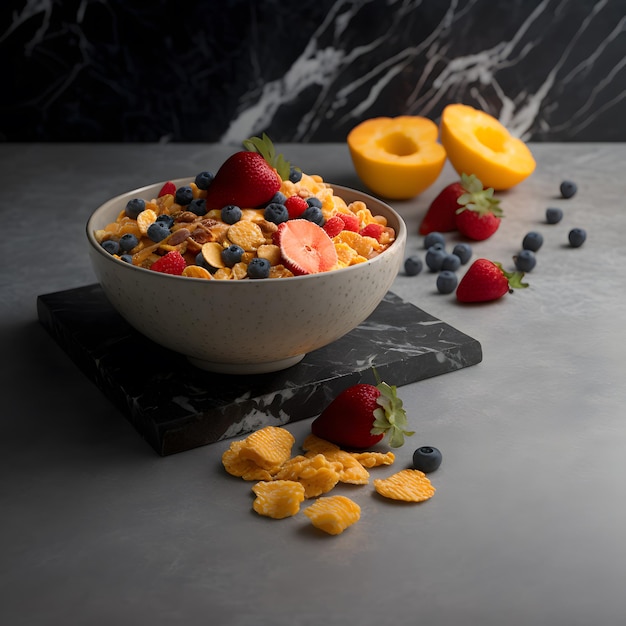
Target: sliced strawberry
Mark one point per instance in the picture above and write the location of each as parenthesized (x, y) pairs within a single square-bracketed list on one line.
[(296, 206), (351, 221), (170, 263), (372, 230), (485, 280), (168, 188), (333, 226), (305, 247)]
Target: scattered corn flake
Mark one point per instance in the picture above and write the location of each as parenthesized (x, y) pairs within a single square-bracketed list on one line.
[(374, 459), (409, 485), (316, 444), (242, 468), (349, 469), (333, 514), (278, 499), (268, 447), (316, 474)]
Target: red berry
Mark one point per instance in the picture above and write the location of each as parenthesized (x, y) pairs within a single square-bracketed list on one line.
[(170, 263), (372, 230), (296, 206), (168, 188), (333, 226), (351, 221)]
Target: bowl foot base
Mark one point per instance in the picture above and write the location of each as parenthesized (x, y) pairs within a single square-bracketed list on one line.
[(246, 368)]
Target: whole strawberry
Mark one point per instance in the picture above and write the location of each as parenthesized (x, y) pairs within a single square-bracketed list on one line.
[(249, 178), (485, 280), (361, 415), (479, 214), (442, 213)]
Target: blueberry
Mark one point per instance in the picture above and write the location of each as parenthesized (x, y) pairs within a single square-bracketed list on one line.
[(158, 231), (279, 197), (258, 268), (111, 246), (232, 255), (201, 261), (463, 251), (134, 207), (568, 189), (432, 238), (276, 213), (231, 214), (554, 215), (203, 180), (434, 258), (532, 241), (577, 237), (295, 174), (413, 265), (313, 214), (198, 206), (128, 241), (426, 459), (446, 282), (184, 195), (314, 201), (127, 258), (168, 220), (525, 260), (451, 262)]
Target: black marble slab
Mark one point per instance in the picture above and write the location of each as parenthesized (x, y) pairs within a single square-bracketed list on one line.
[(176, 406)]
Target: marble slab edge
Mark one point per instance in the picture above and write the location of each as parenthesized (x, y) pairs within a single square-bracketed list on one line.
[(175, 406)]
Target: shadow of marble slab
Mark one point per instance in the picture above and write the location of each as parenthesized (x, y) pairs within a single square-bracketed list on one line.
[(175, 406)]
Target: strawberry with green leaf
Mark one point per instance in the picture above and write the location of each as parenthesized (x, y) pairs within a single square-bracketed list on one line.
[(362, 415), (479, 214), (248, 178), (485, 280)]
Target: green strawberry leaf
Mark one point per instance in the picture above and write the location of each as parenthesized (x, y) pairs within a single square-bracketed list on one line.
[(514, 278), (390, 418), (265, 147), (476, 198)]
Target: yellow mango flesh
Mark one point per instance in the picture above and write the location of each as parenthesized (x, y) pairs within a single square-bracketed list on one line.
[(477, 143), (398, 157)]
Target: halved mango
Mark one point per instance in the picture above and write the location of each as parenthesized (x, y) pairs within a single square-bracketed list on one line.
[(398, 157), (477, 143)]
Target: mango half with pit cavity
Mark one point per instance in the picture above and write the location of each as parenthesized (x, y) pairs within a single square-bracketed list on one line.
[(398, 157), (477, 143)]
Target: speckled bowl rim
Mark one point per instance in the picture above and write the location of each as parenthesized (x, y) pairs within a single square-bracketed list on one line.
[(400, 240)]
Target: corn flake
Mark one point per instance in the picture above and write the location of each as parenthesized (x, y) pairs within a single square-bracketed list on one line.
[(333, 514), (278, 499), (408, 485), (317, 474)]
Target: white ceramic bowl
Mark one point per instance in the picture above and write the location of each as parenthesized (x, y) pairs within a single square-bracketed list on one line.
[(245, 326)]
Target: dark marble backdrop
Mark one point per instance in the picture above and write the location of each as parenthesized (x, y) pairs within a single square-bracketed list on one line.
[(122, 70)]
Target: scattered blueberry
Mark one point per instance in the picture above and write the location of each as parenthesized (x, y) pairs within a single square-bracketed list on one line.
[(432, 238), (577, 237), (127, 258), (295, 174), (446, 282), (451, 263), (276, 213), (313, 214), (426, 459), (463, 251), (232, 255), (128, 241), (554, 215), (198, 206), (203, 180), (258, 268), (314, 201), (168, 220), (279, 197), (184, 195), (525, 260), (158, 231), (532, 241), (413, 265), (134, 207), (568, 189), (111, 246), (231, 214), (434, 258)]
